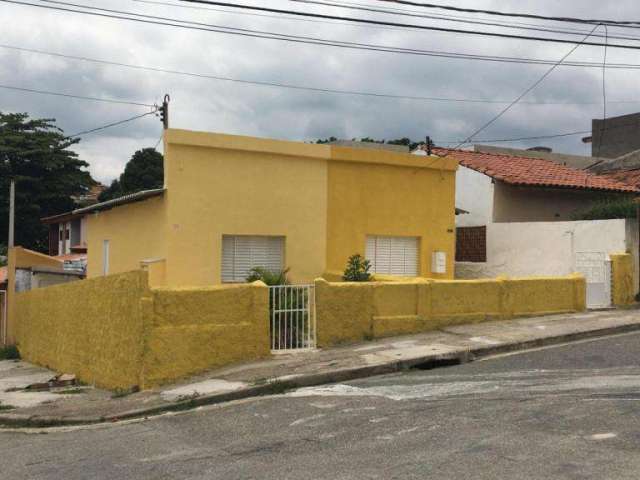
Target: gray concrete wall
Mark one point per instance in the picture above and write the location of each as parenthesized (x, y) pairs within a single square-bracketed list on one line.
[(527, 204), (616, 136), (575, 161)]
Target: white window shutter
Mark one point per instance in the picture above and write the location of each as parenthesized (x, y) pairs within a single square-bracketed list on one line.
[(241, 253), (393, 255)]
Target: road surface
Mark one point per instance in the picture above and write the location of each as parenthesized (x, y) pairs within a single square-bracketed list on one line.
[(567, 412)]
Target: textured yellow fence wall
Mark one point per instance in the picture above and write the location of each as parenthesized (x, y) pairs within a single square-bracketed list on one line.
[(116, 333), (93, 328), (622, 288), (195, 329), (350, 312)]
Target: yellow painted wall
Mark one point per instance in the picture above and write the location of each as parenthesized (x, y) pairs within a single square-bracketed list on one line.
[(323, 199), (261, 187), (136, 232), (351, 312), (19, 257), (411, 200), (195, 329), (622, 285), (117, 333), (93, 328)]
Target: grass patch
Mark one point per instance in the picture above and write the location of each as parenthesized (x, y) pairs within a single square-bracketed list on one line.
[(6, 407), (9, 352)]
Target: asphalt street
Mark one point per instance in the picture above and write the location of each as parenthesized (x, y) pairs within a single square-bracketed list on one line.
[(567, 412)]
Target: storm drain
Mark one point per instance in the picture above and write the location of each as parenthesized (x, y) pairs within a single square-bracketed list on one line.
[(437, 363)]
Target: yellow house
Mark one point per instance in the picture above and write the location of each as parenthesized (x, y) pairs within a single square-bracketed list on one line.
[(232, 202)]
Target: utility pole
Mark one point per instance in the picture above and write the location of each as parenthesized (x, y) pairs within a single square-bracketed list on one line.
[(164, 111), (429, 145), (12, 212)]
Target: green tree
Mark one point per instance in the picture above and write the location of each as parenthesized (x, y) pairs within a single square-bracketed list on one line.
[(36, 154), (399, 141), (144, 171)]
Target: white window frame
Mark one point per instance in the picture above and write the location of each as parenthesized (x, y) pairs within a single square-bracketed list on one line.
[(236, 272), (393, 255)]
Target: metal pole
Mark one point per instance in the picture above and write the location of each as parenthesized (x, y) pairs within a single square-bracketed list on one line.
[(12, 208)]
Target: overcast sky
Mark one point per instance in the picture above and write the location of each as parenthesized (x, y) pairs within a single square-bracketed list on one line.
[(220, 106)]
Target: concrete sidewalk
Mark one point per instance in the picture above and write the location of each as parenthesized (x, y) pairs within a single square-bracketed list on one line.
[(86, 405)]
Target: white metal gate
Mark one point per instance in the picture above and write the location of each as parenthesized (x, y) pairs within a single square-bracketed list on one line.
[(293, 317), (596, 268)]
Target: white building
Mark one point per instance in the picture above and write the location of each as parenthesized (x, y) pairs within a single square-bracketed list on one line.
[(520, 220)]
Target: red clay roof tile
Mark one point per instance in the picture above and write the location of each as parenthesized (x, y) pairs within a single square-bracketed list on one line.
[(536, 172)]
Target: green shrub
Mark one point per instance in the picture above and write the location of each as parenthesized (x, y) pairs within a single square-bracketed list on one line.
[(357, 269), (9, 352), (269, 277), (607, 209)]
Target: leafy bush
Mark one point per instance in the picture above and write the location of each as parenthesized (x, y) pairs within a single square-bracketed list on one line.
[(357, 269), (9, 352), (607, 209), (269, 277)]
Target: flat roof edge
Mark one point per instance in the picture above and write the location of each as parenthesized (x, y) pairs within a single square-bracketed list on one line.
[(306, 150)]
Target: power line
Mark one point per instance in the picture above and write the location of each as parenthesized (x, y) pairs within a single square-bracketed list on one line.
[(292, 86), (80, 97), (149, 19), (631, 23), (538, 137), (396, 24), (529, 89), (109, 125), (604, 93), (414, 14)]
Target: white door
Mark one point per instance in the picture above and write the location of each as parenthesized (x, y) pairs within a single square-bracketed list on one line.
[(596, 268)]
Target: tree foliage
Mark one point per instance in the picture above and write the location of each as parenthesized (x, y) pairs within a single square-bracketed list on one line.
[(36, 154), (144, 171), (398, 141), (608, 208)]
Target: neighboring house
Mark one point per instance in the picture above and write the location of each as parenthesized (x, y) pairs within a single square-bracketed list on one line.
[(496, 188), (67, 233), (91, 196), (231, 203), (615, 137), (520, 220)]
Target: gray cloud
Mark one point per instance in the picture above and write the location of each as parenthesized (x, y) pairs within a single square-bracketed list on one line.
[(203, 104)]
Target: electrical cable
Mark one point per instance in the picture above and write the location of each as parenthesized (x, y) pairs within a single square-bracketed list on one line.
[(395, 24), (604, 95), (519, 15), (294, 86), (80, 97), (109, 125), (529, 89), (149, 19), (413, 14)]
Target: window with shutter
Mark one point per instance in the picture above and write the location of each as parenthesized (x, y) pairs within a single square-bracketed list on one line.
[(393, 255), (241, 253)]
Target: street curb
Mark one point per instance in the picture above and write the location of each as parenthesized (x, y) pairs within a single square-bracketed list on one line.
[(277, 385)]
